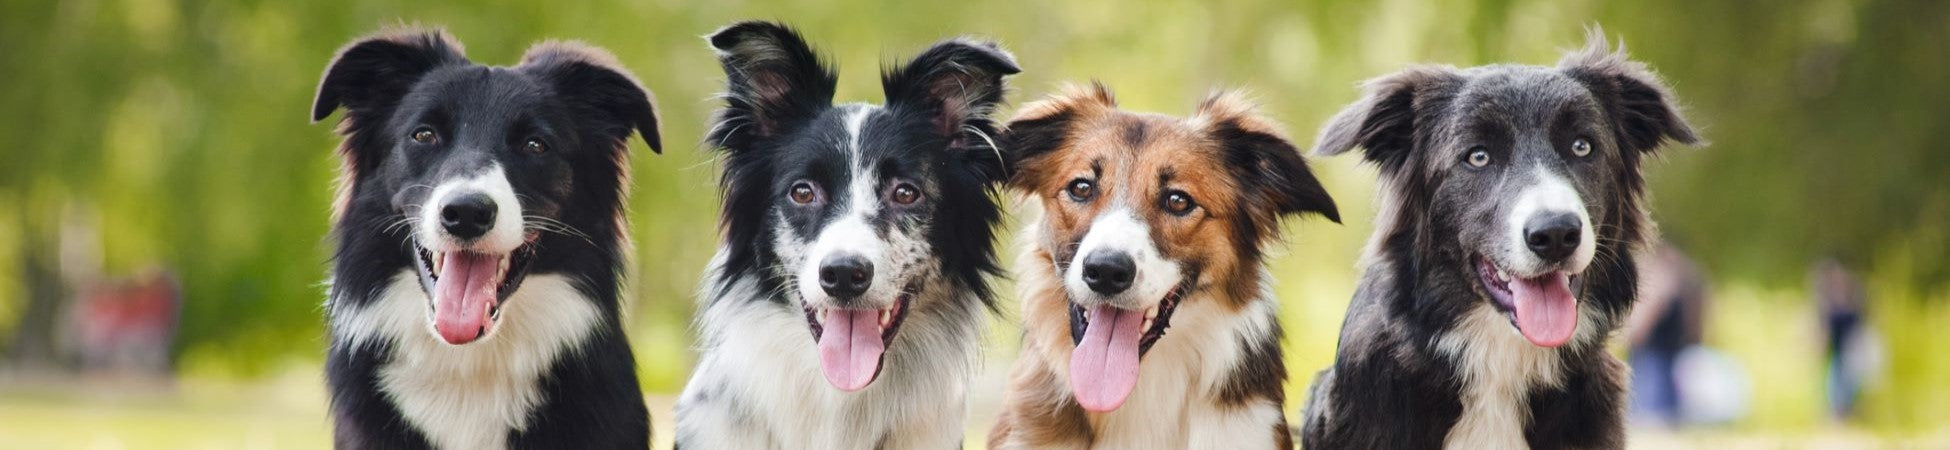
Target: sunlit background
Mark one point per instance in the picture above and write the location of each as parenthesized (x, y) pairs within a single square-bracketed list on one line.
[(162, 245)]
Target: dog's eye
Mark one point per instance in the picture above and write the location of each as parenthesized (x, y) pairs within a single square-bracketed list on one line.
[(1082, 190), (1478, 157), (1581, 147), (803, 193), (905, 194), (425, 135), (1179, 203), (534, 146)]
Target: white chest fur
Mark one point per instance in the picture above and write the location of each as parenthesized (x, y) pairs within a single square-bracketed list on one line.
[(469, 396), (758, 384), (1203, 347), (1498, 369)]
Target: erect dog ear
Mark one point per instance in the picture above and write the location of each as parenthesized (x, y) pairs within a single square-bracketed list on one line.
[(1262, 159), (374, 72), (956, 84), (774, 83), (1384, 121), (1044, 126), (590, 80), (1640, 104)]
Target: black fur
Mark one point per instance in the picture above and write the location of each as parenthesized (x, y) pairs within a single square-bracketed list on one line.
[(1390, 387), (779, 125), (794, 165), (585, 108)]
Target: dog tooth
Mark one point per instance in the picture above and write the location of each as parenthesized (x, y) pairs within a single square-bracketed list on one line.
[(886, 317)]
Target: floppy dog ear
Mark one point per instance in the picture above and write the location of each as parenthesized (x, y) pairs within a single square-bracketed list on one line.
[(373, 73), (774, 83), (956, 85), (1640, 104), (1384, 121), (591, 80), (1044, 126), (1262, 159)]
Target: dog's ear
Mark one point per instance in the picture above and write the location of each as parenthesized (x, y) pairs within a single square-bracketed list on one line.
[(1636, 99), (775, 83), (1385, 119), (1045, 125), (1264, 162), (592, 82), (372, 73), (956, 85)]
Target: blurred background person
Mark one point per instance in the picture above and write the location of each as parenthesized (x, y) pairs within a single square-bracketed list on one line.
[(1675, 379), (1853, 353)]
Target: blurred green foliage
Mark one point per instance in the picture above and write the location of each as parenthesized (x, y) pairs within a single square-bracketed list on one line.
[(173, 134)]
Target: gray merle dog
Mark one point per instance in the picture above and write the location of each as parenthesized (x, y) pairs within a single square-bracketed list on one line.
[(1512, 208)]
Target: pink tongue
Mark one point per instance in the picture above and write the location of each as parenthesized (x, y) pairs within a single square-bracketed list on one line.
[(850, 347), (1104, 368), (468, 285), (1547, 314)]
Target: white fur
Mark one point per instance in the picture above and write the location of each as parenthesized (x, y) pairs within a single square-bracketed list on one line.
[(1176, 403), (1548, 193), (1122, 231), (758, 384), (468, 396), (1498, 366), (1498, 369), (855, 121), (504, 237), (852, 235)]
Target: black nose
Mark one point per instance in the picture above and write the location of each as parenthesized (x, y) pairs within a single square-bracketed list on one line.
[(845, 276), (468, 216), (1108, 272), (1552, 236)]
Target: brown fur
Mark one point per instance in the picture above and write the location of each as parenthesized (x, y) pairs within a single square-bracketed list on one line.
[(1222, 156), (1133, 152)]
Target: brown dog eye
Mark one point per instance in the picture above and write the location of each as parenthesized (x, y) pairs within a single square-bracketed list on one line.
[(1081, 190), (1179, 203), (534, 146), (803, 193), (906, 194), (1479, 157), (1581, 147), (424, 136)]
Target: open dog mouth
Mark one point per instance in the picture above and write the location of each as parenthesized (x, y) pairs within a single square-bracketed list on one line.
[(853, 342), (1544, 309), (1109, 342), (466, 289)]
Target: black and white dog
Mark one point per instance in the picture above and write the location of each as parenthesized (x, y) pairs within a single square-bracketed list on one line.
[(1512, 208), (480, 238), (845, 305)]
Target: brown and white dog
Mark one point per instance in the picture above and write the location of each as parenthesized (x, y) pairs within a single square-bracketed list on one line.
[(1150, 224)]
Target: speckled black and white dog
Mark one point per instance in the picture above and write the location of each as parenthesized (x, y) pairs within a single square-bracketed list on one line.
[(1502, 257), (480, 233), (845, 306)]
